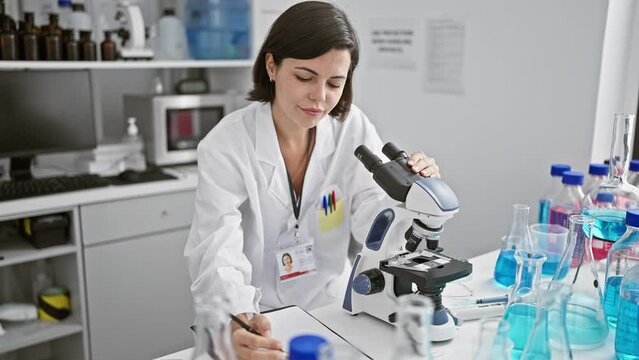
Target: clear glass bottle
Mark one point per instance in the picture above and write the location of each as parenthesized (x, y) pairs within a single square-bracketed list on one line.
[(569, 200), (585, 320), (552, 304), (522, 300), (627, 338), (519, 238), (633, 173), (412, 331), (597, 174), (212, 330), (493, 342), (610, 223), (556, 172), (623, 255)]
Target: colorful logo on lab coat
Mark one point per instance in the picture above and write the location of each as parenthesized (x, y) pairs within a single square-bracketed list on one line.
[(330, 211)]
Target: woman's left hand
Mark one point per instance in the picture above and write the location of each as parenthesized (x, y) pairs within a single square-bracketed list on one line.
[(423, 165)]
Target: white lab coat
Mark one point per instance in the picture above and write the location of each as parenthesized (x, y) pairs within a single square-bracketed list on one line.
[(243, 210)]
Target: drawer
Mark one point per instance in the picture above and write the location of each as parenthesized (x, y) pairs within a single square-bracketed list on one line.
[(133, 217)]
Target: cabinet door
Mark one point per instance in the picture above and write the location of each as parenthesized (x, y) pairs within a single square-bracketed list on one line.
[(139, 302)]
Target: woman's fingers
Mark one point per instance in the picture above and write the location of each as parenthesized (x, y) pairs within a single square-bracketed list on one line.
[(261, 324), (423, 165)]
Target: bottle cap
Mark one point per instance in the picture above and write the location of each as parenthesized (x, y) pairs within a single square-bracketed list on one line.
[(305, 347), (632, 217), (605, 197), (573, 178), (64, 3), (598, 169), (559, 169), (634, 165)]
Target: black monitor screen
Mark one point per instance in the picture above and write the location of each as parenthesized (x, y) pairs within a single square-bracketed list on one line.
[(45, 111)]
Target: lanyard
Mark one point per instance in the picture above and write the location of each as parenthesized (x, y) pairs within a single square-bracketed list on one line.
[(297, 201)]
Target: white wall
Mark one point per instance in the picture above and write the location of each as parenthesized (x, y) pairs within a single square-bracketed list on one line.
[(531, 77)]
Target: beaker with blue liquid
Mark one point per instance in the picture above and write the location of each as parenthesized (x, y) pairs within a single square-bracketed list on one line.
[(519, 238), (609, 224), (521, 311), (545, 202), (585, 320), (623, 255), (627, 338)]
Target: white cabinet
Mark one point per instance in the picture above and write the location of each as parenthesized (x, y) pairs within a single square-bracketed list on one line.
[(139, 301)]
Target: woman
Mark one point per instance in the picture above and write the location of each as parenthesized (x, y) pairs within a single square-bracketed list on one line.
[(279, 176)]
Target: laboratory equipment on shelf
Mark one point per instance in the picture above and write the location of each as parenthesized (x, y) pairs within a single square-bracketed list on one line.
[(627, 337), (545, 342), (522, 303), (519, 238), (493, 342), (597, 174), (556, 172), (402, 247), (550, 239), (633, 172), (586, 324), (412, 333), (132, 32), (569, 200), (212, 330), (623, 255), (610, 223)]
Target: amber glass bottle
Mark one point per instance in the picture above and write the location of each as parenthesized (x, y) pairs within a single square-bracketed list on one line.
[(8, 43), (107, 48), (53, 39), (29, 43), (87, 47), (70, 45)]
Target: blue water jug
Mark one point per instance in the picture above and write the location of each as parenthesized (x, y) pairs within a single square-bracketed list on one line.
[(218, 29)]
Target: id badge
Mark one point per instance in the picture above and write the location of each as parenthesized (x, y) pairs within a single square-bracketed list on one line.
[(296, 262)]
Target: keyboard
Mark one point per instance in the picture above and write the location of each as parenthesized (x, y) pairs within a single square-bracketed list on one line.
[(11, 190)]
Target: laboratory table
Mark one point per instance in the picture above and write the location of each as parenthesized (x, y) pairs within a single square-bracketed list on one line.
[(374, 337)]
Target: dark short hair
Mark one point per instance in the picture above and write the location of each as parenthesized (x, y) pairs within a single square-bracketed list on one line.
[(305, 31), (289, 256)]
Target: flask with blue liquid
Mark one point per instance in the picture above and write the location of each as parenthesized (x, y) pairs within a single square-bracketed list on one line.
[(623, 255), (597, 174), (569, 200), (610, 224), (218, 29), (519, 238), (556, 172), (627, 338), (633, 173)]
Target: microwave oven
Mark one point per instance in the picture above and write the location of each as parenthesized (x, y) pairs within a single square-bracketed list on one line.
[(173, 125)]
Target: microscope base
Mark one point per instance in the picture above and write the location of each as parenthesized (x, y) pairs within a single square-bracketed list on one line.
[(444, 327)]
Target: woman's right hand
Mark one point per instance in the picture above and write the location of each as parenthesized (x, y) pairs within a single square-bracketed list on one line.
[(249, 346)]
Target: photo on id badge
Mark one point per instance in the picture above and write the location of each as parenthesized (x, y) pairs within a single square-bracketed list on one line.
[(330, 209), (296, 262)]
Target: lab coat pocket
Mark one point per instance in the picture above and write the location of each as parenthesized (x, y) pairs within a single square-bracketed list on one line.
[(330, 209)]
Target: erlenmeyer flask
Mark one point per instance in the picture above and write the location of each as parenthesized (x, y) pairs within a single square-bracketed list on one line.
[(213, 330), (493, 342), (609, 222), (519, 238), (626, 345), (587, 327), (545, 342), (522, 303), (412, 333)]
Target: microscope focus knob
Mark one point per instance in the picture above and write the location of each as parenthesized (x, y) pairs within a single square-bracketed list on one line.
[(369, 282)]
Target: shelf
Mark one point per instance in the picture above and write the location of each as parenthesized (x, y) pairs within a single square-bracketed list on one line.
[(25, 334), (16, 250), (109, 65)]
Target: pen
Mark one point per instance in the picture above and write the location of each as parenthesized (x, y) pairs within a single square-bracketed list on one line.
[(324, 205), (248, 327)]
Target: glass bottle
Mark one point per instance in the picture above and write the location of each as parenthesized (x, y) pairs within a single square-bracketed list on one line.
[(605, 201), (52, 47), (569, 200), (587, 327), (633, 172), (627, 338), (556, 172), (623, 255), (597, 174), (4, 18), (87, 47), (493, 342), (610, 223), (8, 43), (29, 48), (412, 331), (107, 48), (522, 301), (71, 50), (552, 304), (212, 330), (306, 347), (519, 238)]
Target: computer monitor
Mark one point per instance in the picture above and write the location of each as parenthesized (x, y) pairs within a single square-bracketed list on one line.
[(44, 112)]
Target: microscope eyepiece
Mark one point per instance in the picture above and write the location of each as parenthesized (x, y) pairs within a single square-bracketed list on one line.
[(393, 152), (367, 157)]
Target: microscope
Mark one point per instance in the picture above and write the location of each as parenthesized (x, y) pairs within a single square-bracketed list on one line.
[(402, 250), (132, 33)]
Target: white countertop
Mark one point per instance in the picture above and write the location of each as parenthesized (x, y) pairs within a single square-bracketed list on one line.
[(186, 180)]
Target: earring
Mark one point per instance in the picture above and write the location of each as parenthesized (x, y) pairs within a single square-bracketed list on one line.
[(272, 80)]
